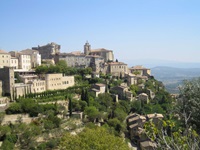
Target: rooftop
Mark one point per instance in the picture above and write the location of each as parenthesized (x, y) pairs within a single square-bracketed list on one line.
[(100, 50), (139, 67), (3, 52), (148, 144), (116, 63), (150, 116), (99, 84)]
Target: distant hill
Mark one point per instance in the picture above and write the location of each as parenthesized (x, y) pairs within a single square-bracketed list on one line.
[(173, 77)]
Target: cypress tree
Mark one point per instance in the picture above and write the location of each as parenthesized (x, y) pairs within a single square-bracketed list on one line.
[(87, 97)]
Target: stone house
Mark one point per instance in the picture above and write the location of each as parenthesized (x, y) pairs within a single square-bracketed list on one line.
[(122, 92), (135, 124), (156, 118), (98, 89), (14, 62), (24, 60), (144, 98), (4, 59), (140, 70), (35, 57), (117, 68), (131, 79)]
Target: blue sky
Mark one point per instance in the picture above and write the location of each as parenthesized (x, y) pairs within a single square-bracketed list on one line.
[(133, 29)]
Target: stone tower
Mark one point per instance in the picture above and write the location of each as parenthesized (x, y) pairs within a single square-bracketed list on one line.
[(87, 48), (7, 78)]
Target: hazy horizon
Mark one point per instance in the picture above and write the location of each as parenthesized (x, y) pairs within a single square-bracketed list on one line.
[(134, 30)]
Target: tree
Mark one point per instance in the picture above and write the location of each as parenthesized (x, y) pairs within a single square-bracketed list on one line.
[(96, 138), (87, 97), (70, 106), (105, 101), (188, 103), (134, 89), (92, 113), (167, 137)]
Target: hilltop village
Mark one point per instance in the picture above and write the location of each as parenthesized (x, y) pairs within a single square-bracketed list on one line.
[(45, 94)]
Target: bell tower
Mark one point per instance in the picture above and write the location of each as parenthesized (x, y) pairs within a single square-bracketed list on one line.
[(87, 48)]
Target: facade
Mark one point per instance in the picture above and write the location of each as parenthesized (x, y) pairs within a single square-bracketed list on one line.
[(4, 59), (36, 85), (58, 81), (106, 54), (98, 89), (140, 70), (21, 89), (122, 92), (143, 97), (117, 68), (131, 79), (7, 78), (24, 60), (78, 59), (14, 62), (135, 125), (74, 59), (35, 57), (48, 51)]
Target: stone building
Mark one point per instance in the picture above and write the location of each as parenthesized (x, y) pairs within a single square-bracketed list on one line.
[(143, 97), (36, 84), (98, 89), (117, 68), (135, 79), (14, 62), (35, 57), (135, 124), (80, 60), (107, 55), (122, 92), (74, 59), (7, 78), (156, 118), (21, 89), (131, 79), (87, 48), (24, 60), (140, 70), (100, 60), (4, 59), (48, 51), (58, 81)]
